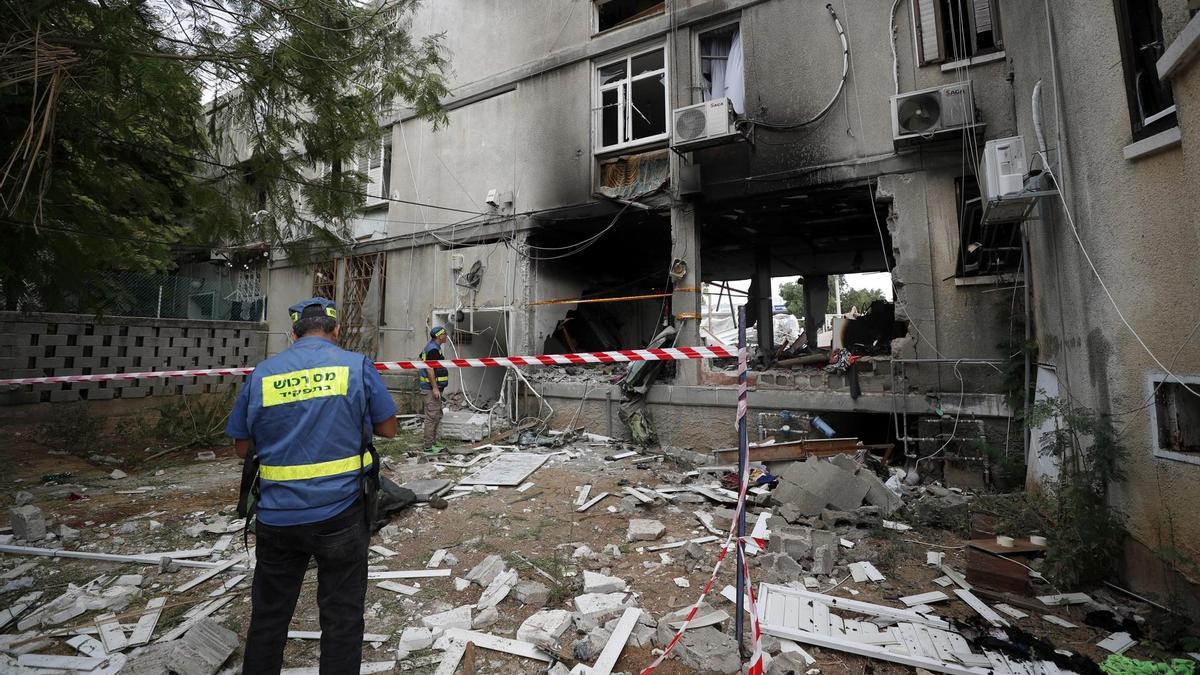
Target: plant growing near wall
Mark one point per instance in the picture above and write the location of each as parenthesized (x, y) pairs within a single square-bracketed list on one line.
[(1088, 533)]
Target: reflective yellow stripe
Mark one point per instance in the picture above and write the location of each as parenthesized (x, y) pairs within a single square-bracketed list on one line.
[(318, 470), (302, 385)]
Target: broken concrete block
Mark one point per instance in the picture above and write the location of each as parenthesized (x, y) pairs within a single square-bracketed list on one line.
[(594, 582), (779, 568), (486, 571), (206, 455), (641, 529), (823, 559), (27, 522), (612, 550), (497, 590), (21, 498), (416, 638), (787, 663), (463, 425), (793, 540), (814, 484), (67, 533), (694, 551), (128, 528), (597, 605), (485, 618), (708, 650), (459, 617), (411, 472), (129, 580), (461, 584), (544, 626), (149, 660), (879, 495), (202, 649), (584, 551), (426, 490), (118, 474), (531, 593), (824, 538)]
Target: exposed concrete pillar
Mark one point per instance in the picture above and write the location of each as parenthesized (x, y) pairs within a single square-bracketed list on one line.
[(816, 295), (685, 304), (764, 304)]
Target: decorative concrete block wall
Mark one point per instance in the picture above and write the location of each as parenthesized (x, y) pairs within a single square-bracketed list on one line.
[(40, 345)]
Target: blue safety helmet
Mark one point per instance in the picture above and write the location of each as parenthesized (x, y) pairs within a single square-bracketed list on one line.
[(313, 307), (437, 332)]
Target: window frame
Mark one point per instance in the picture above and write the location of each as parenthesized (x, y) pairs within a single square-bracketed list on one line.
[(1140, 127), (940, 18), (628, 22), (972, 208), (623, 122), (1152, 381), (697, 90)]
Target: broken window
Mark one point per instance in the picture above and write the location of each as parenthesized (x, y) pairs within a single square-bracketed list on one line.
[(983, 249), (1177, 416), (720, 63), (614, 13), (1151, 105), (633, 99), (951, 30), (325, 280)]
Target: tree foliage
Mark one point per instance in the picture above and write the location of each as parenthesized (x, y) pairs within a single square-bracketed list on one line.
[(134, 130), (860, 298)]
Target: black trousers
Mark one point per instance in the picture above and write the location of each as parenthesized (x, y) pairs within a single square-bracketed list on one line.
[(340, 548)]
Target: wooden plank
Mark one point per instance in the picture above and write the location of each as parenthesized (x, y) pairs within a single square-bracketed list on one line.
[(229, 585), (955, 577), (111, 635), (507, 470), (394, 587), (146, 623), (83, 664), (180, 557), (982, 609), (638, 495), (409, 574), (499, 644), (436, 558), (584, 491), (591, 502), (989, 571), (924, 598), (209, 573), (869, 651), (616, 643), (678, 544)]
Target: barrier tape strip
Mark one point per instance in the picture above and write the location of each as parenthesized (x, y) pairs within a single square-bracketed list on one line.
[(620, 356), (756, 657)]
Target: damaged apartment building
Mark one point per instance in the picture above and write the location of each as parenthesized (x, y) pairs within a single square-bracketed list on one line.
[(615, 172)]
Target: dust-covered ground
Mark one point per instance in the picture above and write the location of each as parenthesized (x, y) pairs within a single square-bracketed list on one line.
[(185, 500)]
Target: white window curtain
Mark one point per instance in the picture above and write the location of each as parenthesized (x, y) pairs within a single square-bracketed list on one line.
[(715, 47), (733, 80)]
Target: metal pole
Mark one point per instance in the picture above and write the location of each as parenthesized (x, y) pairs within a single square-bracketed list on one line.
[(158, 313), (742, 469), (1026, 432)]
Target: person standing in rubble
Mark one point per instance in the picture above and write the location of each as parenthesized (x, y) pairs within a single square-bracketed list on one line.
[(306, 415), (433, 383)]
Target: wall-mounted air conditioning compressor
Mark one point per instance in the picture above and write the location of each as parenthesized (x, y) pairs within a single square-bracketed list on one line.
[(703, 125), (925, 114)]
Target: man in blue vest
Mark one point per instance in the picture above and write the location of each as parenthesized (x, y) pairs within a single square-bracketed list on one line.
[(433, 382), (308, 413)]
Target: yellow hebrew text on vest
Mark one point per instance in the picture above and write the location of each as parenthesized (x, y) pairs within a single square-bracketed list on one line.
[(302, 385)]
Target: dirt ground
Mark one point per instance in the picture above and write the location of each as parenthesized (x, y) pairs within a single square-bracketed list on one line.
[(71, 483)]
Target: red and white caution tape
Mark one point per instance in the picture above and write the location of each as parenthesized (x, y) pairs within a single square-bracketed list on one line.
[(756, 658), (621, 356)]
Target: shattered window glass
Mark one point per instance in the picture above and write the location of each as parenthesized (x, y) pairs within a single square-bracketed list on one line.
[(632, 99)]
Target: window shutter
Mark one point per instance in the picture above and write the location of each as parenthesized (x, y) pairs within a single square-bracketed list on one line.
[(925, 15), (983, 16), (364, 158)]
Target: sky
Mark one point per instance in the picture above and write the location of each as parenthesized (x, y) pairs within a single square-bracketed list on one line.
[(881, 281)]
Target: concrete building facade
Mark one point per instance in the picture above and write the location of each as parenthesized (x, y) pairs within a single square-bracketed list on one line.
[(554, 181)]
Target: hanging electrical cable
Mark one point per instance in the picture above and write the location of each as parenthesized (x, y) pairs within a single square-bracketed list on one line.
[(778, 126)]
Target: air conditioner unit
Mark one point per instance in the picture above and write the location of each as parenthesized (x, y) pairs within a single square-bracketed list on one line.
[(703, 125), (918, 115), (1002, 180)]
